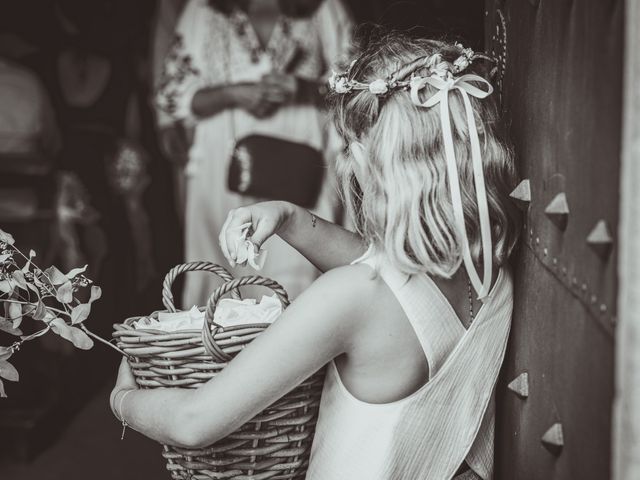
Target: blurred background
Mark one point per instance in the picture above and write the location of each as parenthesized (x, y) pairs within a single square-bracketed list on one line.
[(91, 173), (92, 169)]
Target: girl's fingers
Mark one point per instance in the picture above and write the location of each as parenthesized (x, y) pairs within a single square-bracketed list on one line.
[(265, 228), (125, 376), (230, 231)]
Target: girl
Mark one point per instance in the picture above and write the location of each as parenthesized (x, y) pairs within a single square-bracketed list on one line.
[(413, 352)]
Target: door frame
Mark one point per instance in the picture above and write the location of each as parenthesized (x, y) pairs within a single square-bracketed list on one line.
[(626, 406)]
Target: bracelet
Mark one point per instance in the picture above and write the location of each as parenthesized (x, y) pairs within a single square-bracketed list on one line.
[(118, 411)]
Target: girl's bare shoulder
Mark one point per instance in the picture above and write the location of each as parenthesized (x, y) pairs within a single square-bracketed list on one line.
[(352, 292)]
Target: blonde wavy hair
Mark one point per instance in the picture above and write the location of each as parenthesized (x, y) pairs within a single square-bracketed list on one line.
[(403, 205)]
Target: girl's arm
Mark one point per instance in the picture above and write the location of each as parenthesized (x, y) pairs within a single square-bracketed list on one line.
[(310, 333), (323, 243)]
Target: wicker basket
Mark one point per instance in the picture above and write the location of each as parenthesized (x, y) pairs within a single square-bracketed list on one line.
[(276, 443)]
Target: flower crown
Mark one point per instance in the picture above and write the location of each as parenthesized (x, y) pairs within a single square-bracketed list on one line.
[(444, 77), (434, 64)]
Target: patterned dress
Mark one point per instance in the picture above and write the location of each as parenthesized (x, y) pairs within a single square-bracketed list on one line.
[(215, 49)]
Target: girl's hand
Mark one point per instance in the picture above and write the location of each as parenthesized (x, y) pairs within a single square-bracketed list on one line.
[(125, 381), (266, 218)]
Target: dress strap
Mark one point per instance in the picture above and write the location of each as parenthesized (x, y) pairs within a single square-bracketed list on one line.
[(434, 321), (457, 399)]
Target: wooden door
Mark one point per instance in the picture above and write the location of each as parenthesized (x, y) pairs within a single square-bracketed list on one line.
[(560, 71)]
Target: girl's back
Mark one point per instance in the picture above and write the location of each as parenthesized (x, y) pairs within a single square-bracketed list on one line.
[(423, 405)]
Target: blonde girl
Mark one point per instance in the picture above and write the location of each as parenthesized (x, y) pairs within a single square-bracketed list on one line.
[(413, 311)]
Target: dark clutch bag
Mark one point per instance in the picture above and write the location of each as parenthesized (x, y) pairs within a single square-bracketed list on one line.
[(276, 169)]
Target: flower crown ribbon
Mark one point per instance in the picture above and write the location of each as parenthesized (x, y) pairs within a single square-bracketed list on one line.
[(463, 85)]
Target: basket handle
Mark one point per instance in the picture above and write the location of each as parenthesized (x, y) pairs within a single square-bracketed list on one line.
[(209, 329), (167, 296)]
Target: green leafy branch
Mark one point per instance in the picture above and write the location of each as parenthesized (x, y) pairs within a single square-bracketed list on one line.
[(47, 297)]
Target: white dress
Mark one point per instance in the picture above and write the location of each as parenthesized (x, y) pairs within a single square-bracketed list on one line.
[(450, 419), (210, 50)]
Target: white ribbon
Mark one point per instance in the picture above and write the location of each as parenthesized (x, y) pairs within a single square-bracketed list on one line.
[(442, 97)]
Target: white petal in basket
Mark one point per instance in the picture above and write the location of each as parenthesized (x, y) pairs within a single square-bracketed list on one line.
[(229, 312)]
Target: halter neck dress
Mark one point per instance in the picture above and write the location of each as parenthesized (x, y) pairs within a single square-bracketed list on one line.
[(428, 434)]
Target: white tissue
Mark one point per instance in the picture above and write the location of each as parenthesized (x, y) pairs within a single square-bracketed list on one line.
[(246, 250), (232, 312), (229, 312)]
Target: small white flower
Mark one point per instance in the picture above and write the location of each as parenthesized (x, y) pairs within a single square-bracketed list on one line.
[(342, 85), (461, 63), (339, 83), (332, 79), (378, 87)]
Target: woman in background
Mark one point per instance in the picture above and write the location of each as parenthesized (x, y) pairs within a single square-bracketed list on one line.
[(242, 67)]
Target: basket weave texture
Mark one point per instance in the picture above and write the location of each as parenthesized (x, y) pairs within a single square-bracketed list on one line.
[(273, 445)]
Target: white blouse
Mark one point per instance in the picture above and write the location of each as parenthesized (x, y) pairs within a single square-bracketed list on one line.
[(211, 48)]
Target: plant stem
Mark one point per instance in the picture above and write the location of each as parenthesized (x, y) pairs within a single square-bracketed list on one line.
[(28, 259), (102, 340), (46, 306)]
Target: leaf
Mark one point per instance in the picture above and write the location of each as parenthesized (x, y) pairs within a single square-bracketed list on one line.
[(65, 293), (5, 256), (76, 271), (18, 277), (76, 336), (55, 276), (8, 371), (3, 394), (80, 313), (37, 279), (5, 353), (26, 266), (6, 237), (37, 334), (7, 326), (14, 311), (41, 311), (96, 293), (6, 286), (32, 253)]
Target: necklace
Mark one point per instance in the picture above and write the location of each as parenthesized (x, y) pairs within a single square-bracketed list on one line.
[(470, 300)]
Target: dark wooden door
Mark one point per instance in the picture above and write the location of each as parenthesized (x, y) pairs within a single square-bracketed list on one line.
[(560, 71)]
